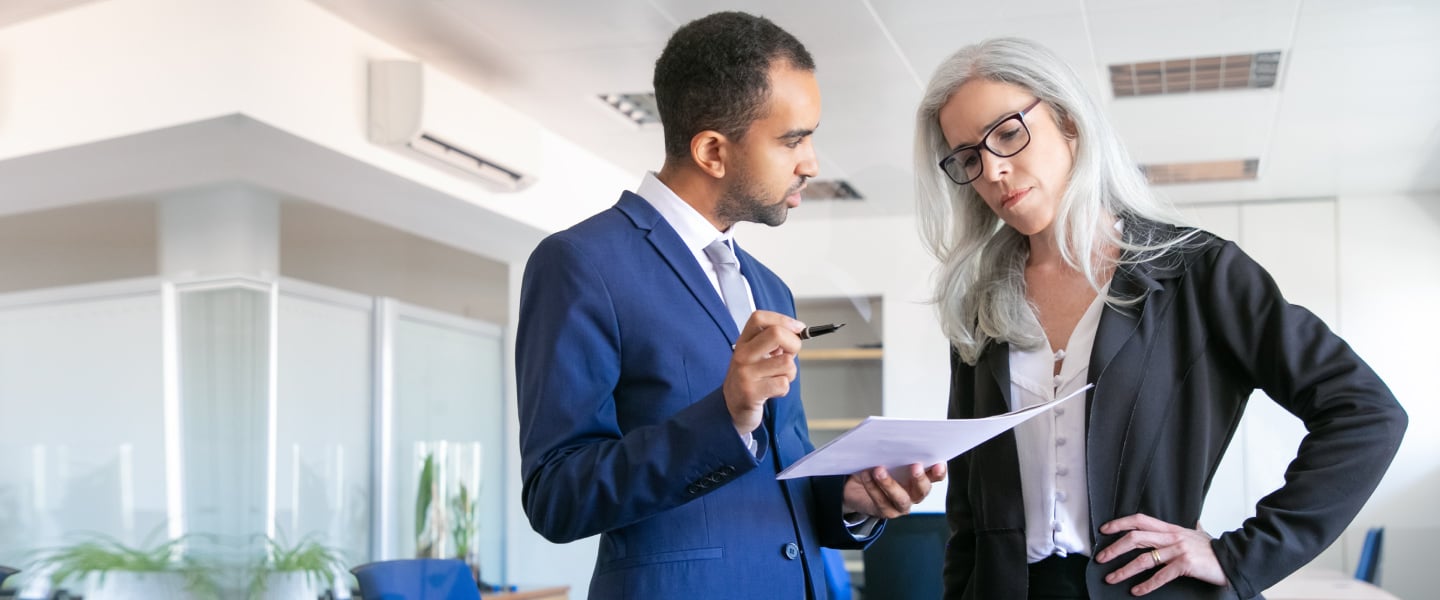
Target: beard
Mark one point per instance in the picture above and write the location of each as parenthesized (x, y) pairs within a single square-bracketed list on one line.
[(745, 201)]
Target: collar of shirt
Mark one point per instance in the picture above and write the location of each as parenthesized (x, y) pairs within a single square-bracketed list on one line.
[(693, 228)]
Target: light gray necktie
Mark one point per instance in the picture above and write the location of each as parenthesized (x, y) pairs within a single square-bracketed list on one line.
[(732, 283)]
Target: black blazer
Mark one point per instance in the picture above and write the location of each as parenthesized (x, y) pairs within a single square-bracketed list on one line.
[(1172, 375)]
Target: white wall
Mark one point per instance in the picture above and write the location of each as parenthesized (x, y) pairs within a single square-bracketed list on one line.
[(1389, 257), (330, 247), (77, 245)]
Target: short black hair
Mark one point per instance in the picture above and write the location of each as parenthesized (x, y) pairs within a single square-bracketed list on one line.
[(715, 75)]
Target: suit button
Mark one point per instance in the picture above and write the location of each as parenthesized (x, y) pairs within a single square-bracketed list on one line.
[(692, 489), (716, 478), (728, 470), (790, 550)]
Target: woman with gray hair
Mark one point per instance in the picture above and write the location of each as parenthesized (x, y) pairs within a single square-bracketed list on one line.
[(1059, 268)]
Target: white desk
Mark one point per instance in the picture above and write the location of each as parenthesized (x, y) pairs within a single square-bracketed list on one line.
[(1325, 584)]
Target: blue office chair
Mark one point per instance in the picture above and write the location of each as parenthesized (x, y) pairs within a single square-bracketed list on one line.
[(6, 572), (1368, 569), (837, 579), (417, 579), (908, 558)]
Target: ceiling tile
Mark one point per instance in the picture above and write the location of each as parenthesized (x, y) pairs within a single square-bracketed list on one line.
[(527, 26), (1165, 31), (1196, 127)]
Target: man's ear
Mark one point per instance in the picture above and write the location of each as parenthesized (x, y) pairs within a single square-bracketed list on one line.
[(710, 149)]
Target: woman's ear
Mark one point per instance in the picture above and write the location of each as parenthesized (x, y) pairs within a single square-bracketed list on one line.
[(709, 150), (1067, 127)]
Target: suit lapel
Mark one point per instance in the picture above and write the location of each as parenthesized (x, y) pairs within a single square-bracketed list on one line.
[(997, 460), (672, 250), (1117, 368), (997, 356)]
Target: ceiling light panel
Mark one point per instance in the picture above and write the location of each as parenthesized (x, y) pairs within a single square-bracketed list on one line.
[(1245, 169), (830, 189), (638, 108), (1201, 74)]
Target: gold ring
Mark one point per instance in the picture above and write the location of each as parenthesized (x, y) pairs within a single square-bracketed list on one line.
[(1155, 556)]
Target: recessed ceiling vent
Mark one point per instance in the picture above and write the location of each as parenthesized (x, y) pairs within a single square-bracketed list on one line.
[(1244, 169), (1204, 74), (639, 108), (830, 189)]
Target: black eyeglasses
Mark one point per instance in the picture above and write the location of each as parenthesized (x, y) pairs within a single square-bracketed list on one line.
[(963, 165)]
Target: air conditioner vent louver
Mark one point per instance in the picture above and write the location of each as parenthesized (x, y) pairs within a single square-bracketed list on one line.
[(1202, 74), (464, 160)]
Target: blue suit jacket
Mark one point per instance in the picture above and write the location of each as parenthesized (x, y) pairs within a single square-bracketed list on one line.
[(622, 347)]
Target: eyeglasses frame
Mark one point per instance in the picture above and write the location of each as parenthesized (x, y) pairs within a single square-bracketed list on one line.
[(985, 144)]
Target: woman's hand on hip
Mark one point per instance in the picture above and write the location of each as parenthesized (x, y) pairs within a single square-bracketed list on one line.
[(1177, 551)]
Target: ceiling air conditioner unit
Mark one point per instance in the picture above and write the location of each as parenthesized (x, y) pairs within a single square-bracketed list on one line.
[(452, 125)]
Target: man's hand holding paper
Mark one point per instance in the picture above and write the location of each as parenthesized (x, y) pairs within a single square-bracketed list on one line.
[(886, 493)]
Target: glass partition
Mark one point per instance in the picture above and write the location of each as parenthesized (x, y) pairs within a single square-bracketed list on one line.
[(231, 412), (447, 410), (81, 416), (323, 422)]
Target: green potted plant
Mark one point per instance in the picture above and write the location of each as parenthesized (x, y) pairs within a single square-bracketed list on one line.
[(106, 569), (286, 572), (425, 521), (466, 525)]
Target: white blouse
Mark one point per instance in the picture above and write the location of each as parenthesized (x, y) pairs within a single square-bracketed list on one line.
[(1052, 446)]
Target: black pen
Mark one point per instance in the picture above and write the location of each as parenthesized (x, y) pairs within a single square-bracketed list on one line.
[(819, 330)]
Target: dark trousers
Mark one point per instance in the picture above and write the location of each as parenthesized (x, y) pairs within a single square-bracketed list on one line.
[(1059, 578)]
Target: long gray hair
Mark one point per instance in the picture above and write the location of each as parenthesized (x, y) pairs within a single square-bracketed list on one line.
[(980, 284)]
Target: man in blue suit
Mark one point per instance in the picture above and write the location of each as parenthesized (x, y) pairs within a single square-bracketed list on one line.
[(651, 412)]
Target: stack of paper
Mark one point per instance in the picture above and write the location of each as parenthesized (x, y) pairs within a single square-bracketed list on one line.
[(895, 443)]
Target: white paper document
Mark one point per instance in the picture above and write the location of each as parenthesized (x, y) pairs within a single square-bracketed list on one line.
[(895, 443)]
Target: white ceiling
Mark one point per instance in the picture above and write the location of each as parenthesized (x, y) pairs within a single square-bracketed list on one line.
[(1356, 109)]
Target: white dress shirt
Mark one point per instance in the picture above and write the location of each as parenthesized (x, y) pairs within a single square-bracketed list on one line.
[(695, 230), (1051, 447)]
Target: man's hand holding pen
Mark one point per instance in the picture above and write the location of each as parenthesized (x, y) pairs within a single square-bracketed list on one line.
[(762, 366)]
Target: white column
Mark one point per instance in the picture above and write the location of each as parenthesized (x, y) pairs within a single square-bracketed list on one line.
[(223, 231), (219, 259)]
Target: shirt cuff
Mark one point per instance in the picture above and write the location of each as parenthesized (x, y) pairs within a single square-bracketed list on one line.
[(749, 440), (860, 526)]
